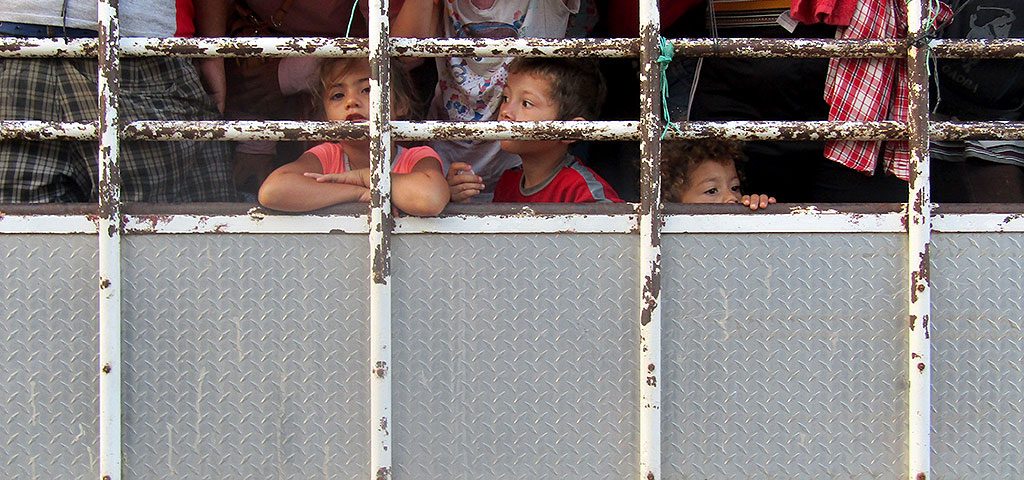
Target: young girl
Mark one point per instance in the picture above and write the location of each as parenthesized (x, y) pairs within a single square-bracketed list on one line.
[(332, 173), (704, 171)]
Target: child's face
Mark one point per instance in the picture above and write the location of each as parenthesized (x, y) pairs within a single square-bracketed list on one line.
[(527, 97), (347, 92), (710, 182)]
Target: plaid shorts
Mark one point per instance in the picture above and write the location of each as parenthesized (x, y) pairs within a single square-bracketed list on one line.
[(65, 90)]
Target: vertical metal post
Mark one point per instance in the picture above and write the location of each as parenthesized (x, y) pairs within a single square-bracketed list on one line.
[(381, 225), (109, 244), (650, 242), (919, 238)]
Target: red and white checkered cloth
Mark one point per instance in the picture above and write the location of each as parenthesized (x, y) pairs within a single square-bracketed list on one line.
[(868, 90)]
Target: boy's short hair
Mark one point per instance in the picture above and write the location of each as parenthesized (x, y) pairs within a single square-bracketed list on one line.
[(402, 90), (576, 83), (680, 158)]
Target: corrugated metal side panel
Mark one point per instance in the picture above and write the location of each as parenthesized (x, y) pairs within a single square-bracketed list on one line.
[(784, 356), (48, 357), (515, 356), (978, 351), (245, 356)]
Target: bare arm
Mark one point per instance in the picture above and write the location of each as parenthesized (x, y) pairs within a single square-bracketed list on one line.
[(417, 19), (288, 190), (211, 18), (422, 192)]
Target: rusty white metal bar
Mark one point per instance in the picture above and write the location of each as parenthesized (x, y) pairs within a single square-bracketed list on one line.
[(797, 220), (789, 48), (422, 131), (245, 47), (987, 48), (649, 226), (789, 130), (381, 226), (821, 219), (518, 224), (919, 227), (36, 130), (256, 222), (245, 130), (48, 224), (109, 244), (401, 130), (615, 47), (994, 130), (16, 47), (515, 47), (552, 130), (978, 223)]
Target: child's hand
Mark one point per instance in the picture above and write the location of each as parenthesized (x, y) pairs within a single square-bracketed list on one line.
[(359, 177), (756, 201), (463, 183)]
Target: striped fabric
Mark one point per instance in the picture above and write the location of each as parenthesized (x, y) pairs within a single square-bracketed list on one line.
[(859, 89), (64, 90)]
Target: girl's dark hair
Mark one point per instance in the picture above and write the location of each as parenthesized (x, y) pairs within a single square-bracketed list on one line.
[(576, 83), (402, 92), (680, 158)]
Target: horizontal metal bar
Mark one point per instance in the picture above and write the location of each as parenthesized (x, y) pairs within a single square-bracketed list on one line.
[(245, 130), (987, 49), (246, 47), (976, 130), (808, 219), (401, 130), (614, 47), (789, 130), (36, 130), (11, 47), (256, 222), (431, 130), (527, 223), (790, 48), (48, 224), (978, 223), (800, 220), (516, 47)]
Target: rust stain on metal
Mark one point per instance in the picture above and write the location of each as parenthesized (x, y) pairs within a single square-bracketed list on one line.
[(106, 368), (105, 283), (650, 476), (913, 322), (106, 477), (914, 355), (652, 381), (383, 473), (920, 367), (924, 325), (380, 369), (922, 476), (919, 278), (651, 292), (384, 425), (381, 267)]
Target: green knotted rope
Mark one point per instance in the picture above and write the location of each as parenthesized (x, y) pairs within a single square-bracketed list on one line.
[(667, 52)]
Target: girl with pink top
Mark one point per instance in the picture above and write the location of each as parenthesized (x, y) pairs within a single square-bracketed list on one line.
[(339, 172)]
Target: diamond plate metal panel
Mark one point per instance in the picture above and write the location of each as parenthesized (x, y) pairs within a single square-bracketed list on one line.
[(977, 355), (784, 356), (246, 356), (48, 382), (515, 356)]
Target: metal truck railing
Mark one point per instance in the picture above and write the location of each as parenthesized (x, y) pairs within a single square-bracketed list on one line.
[(673, 413)]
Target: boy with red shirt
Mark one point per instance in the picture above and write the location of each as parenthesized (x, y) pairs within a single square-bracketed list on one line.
[(541, 89)]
